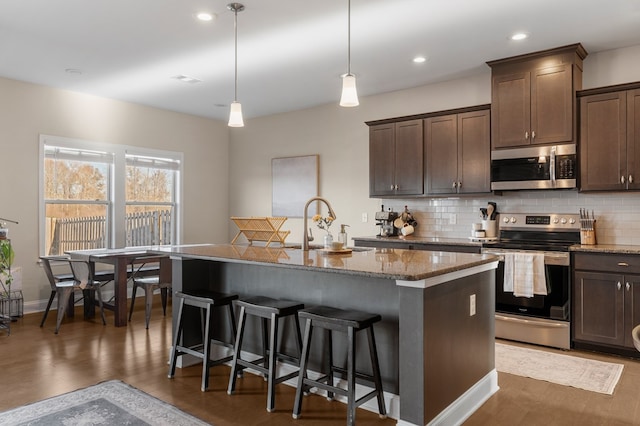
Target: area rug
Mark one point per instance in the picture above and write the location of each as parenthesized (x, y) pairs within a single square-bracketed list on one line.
[(588, 374), (107, 403)]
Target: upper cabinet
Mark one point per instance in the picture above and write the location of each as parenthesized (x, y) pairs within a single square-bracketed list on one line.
[(457, 153), (533, 97), (396, 159), (610, 139)]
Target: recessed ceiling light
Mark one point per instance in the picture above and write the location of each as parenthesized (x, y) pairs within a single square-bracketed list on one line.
[(205, 16), (186, 79), (519, 36), (420, 59), (73, 71)]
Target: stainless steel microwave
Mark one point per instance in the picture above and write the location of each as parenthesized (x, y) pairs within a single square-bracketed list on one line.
[(541, 167)]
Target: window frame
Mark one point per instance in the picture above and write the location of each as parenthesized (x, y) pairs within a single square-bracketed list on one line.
[(116, 210)]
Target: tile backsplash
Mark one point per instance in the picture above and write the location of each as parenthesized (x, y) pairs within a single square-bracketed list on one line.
[(617, 214)]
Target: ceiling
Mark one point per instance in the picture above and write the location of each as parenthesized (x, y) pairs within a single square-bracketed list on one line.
[(291, 53)]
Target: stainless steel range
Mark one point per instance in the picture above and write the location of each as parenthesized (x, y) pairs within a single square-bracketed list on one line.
[(542, 318)]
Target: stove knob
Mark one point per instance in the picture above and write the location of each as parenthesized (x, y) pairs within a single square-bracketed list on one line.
[(572, 221), (505, 219), (563, 221), (555, 220), (513, 219)]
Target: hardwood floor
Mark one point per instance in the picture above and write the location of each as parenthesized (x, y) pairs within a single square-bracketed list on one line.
[(36, 364)]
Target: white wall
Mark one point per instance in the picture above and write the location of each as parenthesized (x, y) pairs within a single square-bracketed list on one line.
[(28, 110), (340, 137)]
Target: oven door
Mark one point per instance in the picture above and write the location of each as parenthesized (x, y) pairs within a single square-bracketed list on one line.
[(554, 305)]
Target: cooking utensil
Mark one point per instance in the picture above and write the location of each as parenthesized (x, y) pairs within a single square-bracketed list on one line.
[(493, 215), (483, 213), (490, 210)]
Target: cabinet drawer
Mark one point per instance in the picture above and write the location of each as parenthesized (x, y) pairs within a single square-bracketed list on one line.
[(621, 264)]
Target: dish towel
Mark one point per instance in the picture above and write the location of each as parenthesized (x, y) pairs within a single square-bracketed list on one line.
[(507, 282), (528, 274)]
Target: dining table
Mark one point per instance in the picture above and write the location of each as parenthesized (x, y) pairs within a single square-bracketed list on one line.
[(127, 263)]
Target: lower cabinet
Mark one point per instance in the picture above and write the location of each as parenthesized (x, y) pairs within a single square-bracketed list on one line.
[(606, 298)]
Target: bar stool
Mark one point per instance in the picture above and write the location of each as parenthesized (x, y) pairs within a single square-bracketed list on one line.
[(349, 322), (267, 309), (205, 301)]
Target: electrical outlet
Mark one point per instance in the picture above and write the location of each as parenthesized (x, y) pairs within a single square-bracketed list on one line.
[(472, 305), (365, 218), (452, 219)]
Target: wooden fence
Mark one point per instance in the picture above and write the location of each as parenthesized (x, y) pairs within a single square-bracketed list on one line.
[(81, 233)]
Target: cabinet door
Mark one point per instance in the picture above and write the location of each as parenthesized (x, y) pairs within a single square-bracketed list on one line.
[(409, 158), (603, 141), (631, 307), (598, 308), (552, 102), (441, 141), (382, 159), (510, 110), (474, 150), (633, 139)]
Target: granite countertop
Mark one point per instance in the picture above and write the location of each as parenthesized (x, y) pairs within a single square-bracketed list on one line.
[(395, 264), (606, 248), (411, 239)]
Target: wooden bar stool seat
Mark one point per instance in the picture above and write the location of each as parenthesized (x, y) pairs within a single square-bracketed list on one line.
[(269, 310), (349, 322), (206, 301)]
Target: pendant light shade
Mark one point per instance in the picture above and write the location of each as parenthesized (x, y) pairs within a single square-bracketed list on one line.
[(349, 96), (235, 113)]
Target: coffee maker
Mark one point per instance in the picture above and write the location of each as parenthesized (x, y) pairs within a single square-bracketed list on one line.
[(385, 219)]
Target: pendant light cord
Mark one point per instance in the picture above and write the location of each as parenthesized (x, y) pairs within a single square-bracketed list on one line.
[(235, 31), (349, 37)]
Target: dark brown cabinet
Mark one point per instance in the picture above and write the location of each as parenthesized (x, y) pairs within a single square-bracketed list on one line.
[(457, 153), (396, 159), (605, 299), (610, 141), (533, 97)]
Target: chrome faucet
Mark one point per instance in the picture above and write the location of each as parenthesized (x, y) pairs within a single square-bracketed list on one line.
[(305, 237)]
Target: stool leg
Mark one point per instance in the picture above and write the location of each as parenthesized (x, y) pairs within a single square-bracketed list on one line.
[(236, 351), (302, 374), (273, 358), (265, 345), (176, 340), (351, 377), (164, 296), (206, 347), (329, 334), (376, 372)]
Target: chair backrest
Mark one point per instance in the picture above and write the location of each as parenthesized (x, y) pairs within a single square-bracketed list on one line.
[(46, 264), (81, 272)]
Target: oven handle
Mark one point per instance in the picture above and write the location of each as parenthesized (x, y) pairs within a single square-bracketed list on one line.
[(550, 257), (526, 321)]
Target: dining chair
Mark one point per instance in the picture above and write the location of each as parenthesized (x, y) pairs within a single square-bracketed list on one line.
[(149, 285), (80, 280)]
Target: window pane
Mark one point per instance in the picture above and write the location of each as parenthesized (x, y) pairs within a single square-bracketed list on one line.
[(75, 180), (74, 227), (149, 184), (149, 225)]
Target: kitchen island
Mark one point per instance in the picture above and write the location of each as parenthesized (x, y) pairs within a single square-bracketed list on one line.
[(436, 338)]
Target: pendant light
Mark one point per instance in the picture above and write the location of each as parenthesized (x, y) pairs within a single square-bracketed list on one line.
[(235, 114), (349, 96)]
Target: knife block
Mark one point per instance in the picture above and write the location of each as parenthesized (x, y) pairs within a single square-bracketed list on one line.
[(588, 236)]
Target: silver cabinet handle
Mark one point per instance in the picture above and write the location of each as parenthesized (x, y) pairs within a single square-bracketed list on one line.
[(627, 286), (453, 185), (459, 184), (630, 178), (533, 135), (526, 135), (392, 188), (623, 264), (396, 187), (622, 180), (619, 285)]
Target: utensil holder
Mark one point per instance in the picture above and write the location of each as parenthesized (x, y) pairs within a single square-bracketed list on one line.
[(588, 236), (490, 228)]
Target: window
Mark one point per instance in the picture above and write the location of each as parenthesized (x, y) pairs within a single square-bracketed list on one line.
[(99, 196)]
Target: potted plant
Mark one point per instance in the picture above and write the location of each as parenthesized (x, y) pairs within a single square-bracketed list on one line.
[(6, 260)]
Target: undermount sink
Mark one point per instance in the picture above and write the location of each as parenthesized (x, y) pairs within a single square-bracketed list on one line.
[(318, 247)]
